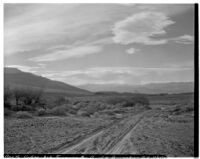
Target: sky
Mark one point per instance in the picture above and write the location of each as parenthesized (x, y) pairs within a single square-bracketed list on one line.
[(82, 44)]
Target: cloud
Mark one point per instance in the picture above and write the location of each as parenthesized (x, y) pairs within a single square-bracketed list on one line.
[(25, 68), (97, 72), (168, 9), (131, 51), (141, 28), (127, 4), (43, 26), (112, 75), (184, 39), (40, 26), (76, 52), (103, 41)]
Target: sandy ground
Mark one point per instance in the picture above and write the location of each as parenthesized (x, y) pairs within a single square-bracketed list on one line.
[(150, 132)]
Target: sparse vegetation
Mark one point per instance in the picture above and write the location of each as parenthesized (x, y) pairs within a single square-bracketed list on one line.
[(47, 131), (7, 112), (7, 97), (61, 100), (41, 112), (25, 99), (129, 101), (27, 96), (23, 115), (41, 135), (57, 111)]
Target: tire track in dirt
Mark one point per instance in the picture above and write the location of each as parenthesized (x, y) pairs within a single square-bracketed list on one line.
[(115, 147), (81, 143), (63, 148), (118, 145)]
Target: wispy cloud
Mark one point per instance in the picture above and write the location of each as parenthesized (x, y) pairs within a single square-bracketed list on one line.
[(184, 39), (69, 53), (43, 26), (141, 27), (168, 9), (40, 26), (119, 75), (25, 68)]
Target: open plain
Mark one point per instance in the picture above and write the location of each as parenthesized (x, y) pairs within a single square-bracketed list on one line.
[(165, 127)]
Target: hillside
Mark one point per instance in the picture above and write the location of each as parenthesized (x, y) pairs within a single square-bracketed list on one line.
[(16, 78)]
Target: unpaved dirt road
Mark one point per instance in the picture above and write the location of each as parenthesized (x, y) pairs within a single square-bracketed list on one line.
[(150, 132), (110, 140), (123, 139), (68, 150)]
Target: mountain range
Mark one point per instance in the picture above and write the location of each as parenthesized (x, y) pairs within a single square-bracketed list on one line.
[(151, 88), (16, 78)]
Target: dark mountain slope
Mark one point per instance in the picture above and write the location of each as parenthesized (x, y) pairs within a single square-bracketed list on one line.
[(16, 78)]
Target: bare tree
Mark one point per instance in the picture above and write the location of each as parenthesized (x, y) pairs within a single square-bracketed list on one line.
[(27, 96), (7, 96), (18, 93)]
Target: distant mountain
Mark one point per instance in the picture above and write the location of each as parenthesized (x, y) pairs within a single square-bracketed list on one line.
[(152, 88), (16, 78)]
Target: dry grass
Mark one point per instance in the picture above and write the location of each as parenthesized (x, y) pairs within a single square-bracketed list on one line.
[(162, 134), (39, 135)]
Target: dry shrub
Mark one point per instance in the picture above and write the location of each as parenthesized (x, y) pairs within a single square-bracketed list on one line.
[(7, 112), (7, 97), (23, 115), (128, 101), (60, 111), (41, 112), (27, 96), (61, 100), (83, 113)]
